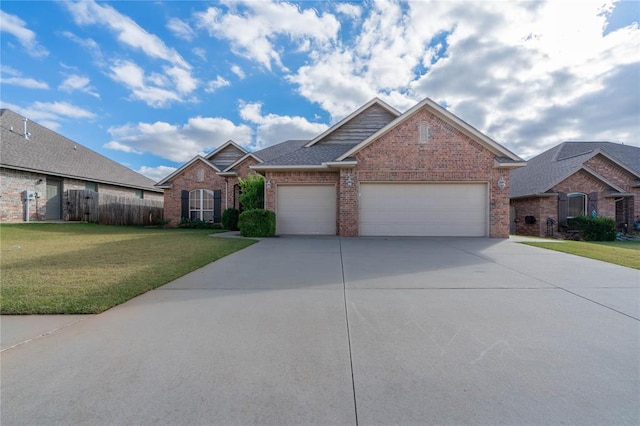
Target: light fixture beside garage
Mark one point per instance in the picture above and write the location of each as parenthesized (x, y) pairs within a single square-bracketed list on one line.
[(269, 184), (502, 184), (349, 180)]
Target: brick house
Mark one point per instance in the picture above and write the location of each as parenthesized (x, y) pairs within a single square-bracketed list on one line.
[(574, 179), (47, 165), (377, 172)]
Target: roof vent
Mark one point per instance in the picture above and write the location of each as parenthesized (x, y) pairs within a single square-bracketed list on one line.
[(26, 134)]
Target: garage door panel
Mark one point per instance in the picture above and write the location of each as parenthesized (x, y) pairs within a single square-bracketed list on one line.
[(306, 209), (423, 209)]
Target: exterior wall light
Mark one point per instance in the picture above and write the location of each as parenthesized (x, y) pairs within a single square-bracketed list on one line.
[(502, 184), (349, 180), (269, 184)]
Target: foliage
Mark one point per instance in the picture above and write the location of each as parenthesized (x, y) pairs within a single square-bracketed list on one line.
[(161, 222), (257, 223), (251, 192), (594, 228), (187, 223), (625, 253), (230, 219), (79, 268)]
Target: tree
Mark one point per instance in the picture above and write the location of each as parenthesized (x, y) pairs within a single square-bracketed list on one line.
[(251, 192)]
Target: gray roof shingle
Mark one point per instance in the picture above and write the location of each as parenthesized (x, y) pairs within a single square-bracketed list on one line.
[(559, 162), (312, 156), (274, 151), (51, 153)]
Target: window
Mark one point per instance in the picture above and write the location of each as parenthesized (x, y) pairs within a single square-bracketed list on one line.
[(201, 204), (139, 193), (577, 204), (91, 186)]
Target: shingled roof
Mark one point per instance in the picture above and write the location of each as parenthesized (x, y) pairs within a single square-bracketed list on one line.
[(556, 164), (48, 152)]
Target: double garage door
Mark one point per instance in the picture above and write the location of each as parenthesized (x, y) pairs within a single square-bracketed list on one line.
[(388, 209), (423, 209)]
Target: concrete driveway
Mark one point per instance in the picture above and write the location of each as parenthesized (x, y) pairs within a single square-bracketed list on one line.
[(347, 331)]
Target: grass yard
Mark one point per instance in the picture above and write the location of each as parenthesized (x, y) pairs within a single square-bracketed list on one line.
[(85, 268), (625, 253)]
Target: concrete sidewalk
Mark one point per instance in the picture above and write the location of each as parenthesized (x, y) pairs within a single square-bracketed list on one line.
[(324, 330)]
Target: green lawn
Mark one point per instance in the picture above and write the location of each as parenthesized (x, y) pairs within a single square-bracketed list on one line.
[(85, 268), (625, 253)]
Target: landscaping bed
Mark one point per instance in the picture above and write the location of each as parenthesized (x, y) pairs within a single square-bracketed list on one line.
[(86, 268)]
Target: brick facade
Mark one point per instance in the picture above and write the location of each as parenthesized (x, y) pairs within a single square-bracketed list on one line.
[(545, 207), (13, 182), (398, 156), (202, 176)]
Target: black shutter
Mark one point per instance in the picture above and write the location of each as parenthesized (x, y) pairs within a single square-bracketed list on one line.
[(592, 203), (185, 204), (563, 208), (217, 206)]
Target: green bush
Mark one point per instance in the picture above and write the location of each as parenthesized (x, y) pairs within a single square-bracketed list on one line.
[(257, 223), (251, 192), (230, 219), (197, 224), (594, 228)]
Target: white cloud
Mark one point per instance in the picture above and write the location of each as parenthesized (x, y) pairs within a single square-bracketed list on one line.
[(150, 86), (273, 128), (51, 114), (178, 143), (348, 9), (253, 33), (152, 89), (15, 26), (127, 31), (238, 71), (509, 70), (200, 53), (16, 79), (181, 29), (214, 85), (156, 173), (117, 146), (89, 44), (79, 83)]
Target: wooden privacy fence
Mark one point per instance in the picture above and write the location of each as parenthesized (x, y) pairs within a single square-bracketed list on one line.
[(106, 209)]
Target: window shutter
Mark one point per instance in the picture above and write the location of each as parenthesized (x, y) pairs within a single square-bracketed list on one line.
[(217, 207), (592, 203), (563, 208), (185, 204)]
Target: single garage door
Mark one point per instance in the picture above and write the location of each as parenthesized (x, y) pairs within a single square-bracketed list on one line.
[(306, 209), (423, 209)]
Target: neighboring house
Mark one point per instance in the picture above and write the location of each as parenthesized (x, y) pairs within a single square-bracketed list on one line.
[(574, 179), (375, 173), (45, 165)]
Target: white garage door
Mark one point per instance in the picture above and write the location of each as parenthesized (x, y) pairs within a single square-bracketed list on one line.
[(306, 209), (420, 209)]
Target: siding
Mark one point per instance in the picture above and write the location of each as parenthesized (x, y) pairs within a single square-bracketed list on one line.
[(360, 127)]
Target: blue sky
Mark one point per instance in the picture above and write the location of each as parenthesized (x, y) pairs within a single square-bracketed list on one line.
[(150, 84)]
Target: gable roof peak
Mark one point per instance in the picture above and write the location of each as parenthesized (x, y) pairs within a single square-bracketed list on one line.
[(228, 143), (373, 102)]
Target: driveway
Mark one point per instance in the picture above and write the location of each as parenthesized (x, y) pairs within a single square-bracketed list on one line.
[(301, 330)]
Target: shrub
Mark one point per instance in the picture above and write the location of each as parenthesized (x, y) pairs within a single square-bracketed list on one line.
[(251, 192), (230, 219), (197, 224), (257, 223), (594, 228)]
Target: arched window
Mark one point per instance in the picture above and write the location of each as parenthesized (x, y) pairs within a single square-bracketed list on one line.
[(577, 204), (201, 204)]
